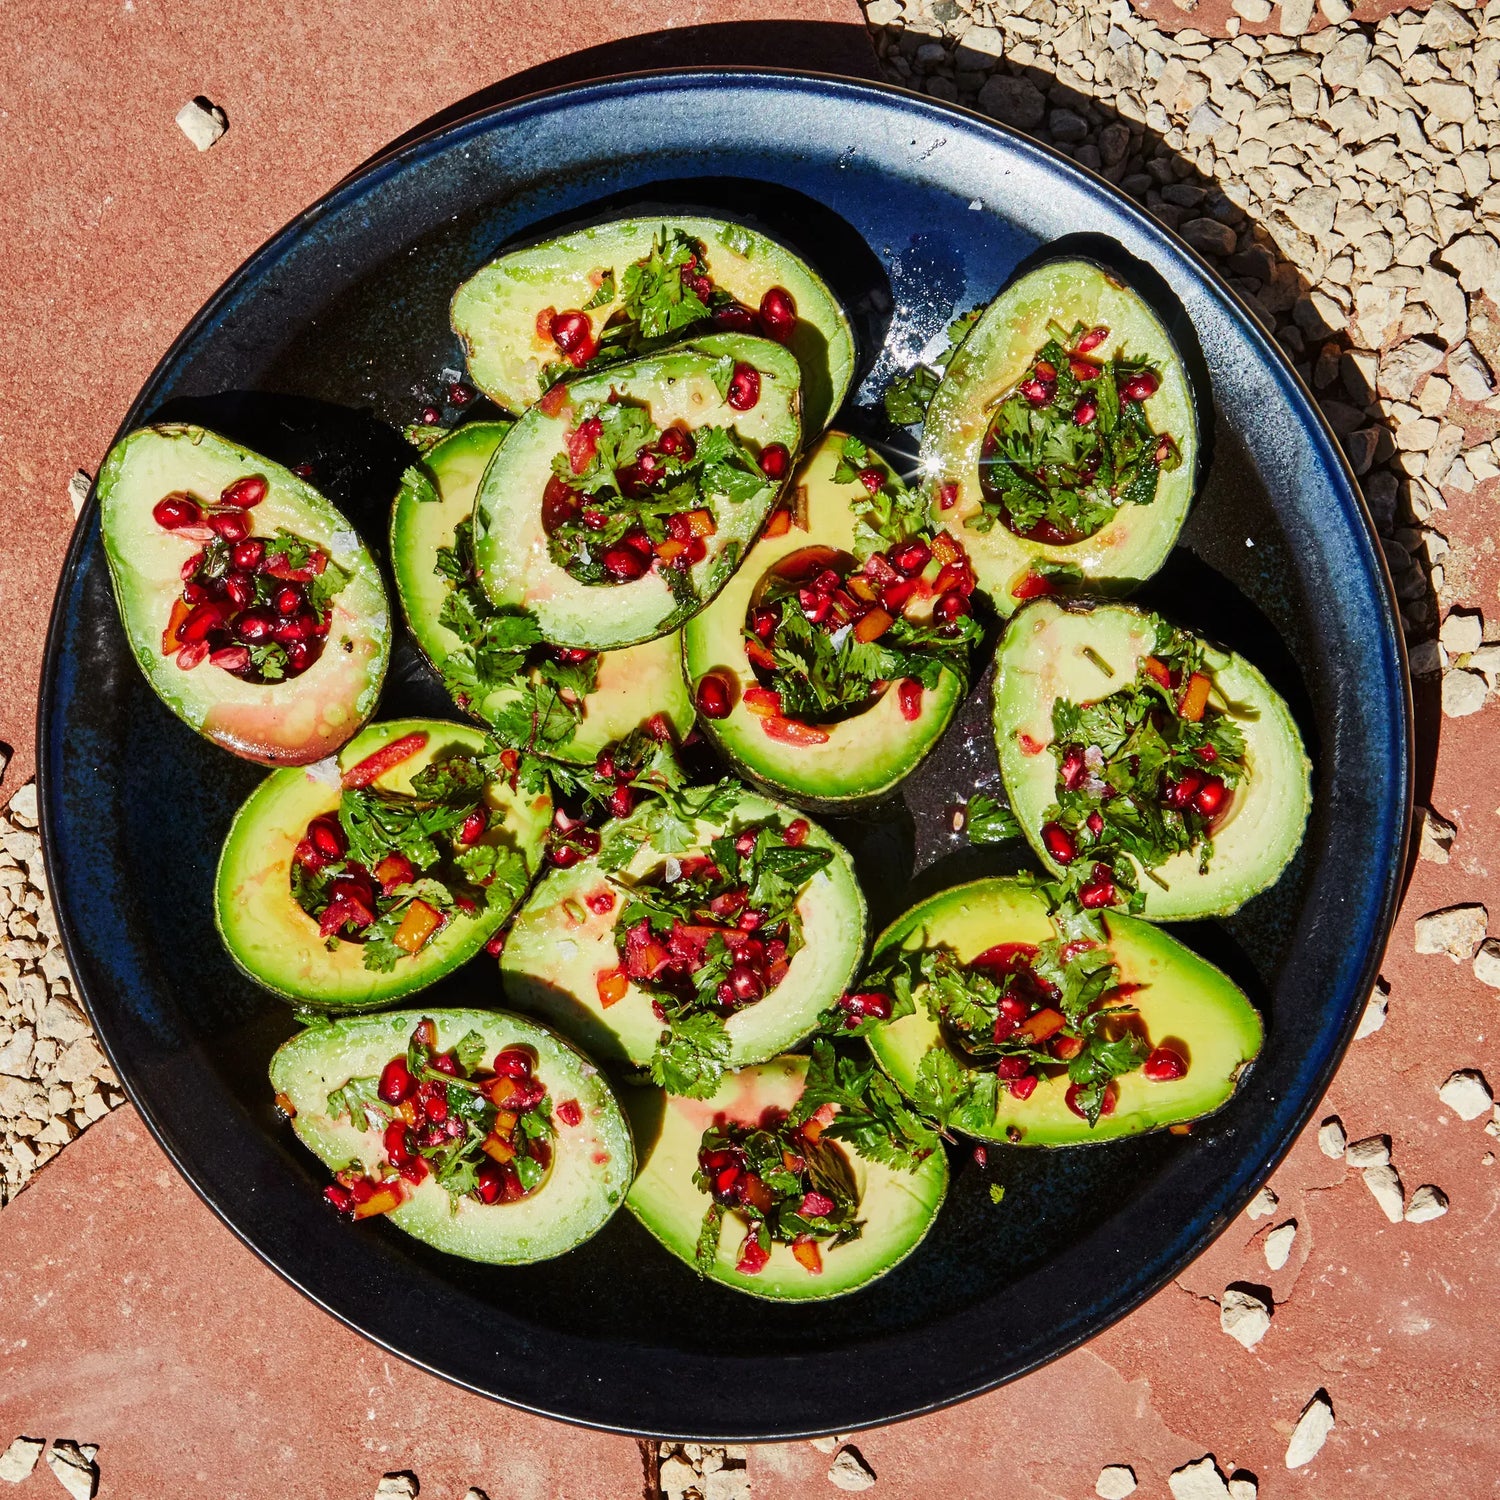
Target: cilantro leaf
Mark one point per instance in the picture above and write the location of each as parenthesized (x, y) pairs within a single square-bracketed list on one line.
[(692, 1056), (987, 821)]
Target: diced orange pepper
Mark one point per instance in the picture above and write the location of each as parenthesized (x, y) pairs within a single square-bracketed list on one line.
[(1066, 1048), (862, 588), (945, 549), (1033, 586), (1043, 1024), (1155, 667), (170, 640), (394, 869), (612, 985), (808, 1256), (552, 404), (505, 1121), (793, 731), (363, 772), (425, 1032), (872, 626), (418, 924), (1194, 697), (670, 549), (285, 1105), (759, 656), (756, 1193), (780, 522), (407, 1110), (498, 1149), (381, 1201), (701, 523), (763, 701)]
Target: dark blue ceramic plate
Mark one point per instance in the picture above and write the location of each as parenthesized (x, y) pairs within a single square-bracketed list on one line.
[(335, 334)]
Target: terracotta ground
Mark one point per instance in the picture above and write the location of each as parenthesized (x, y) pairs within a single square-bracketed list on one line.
[(129, 1318)]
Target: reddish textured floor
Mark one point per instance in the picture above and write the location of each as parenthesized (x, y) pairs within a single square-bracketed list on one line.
[(130, 1318), (1211, 17)]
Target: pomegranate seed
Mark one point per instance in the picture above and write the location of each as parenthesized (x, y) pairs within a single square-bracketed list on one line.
[(473, 825), (1092, 339), (712, 697), (430, 416), (677, 443), (947, 496), (1023, 1088), (763, 622), (1208, 754), (621, 802), (298, 655), (248, 555), (399, 1143), (1100, 891), (245, 493), (496, 945), (176, 511), (190, 567), (815, 1205), (950, 607), (1209, 799), (1179, 794), (796, 832), (734, 318), (1165, 1064), (513, 1062), (1072, 769), (303, 471), (815, 605), (572, 331), (778, 314), (624, 563), (254, 626), (1011, 1068), (1083, 369), (744, 388), (601, 903), (565, 856), (1013, 1008), (910, 557), (1059, 843), (909, 698), (1036, 392), (872, 479), (340, 1197), (1094, 823), (230, 524), (570, 1112), (745, 983), (192, 655), (1085, 412), (752, 1258), (981, 1156), (288, 600), (459, 394), (1106, 1106), (196, 593), (396, 1082), (1141, 386), (775, 461), (231, 658), (489, 1182), (203, 619)]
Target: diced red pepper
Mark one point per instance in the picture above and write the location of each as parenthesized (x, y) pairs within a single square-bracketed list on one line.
[(385, 759), (793, 731)]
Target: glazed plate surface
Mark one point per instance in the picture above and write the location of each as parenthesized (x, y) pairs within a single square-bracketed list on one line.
[(332, 337)]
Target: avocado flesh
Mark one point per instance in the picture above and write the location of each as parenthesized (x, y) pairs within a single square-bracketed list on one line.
[(276, 943), (634, 684), (592, 1165), (293, 722), (557, 948), (495, 311), (989, 363), (1183, 1001), (1041, 658), (866, 755), (898, 1207), (510, 543)]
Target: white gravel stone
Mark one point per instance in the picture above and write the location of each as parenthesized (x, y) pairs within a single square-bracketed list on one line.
[(78, 490), (1464, 693), (73, 1464), (1426, 1204), (1199, 1480), (201, 122), (1296, 17), (1244, 1316), (676, 1476), (1262, 1205), (1372, 1151), (1466, 1093), (1278, 1244), (1373, 1016), (1242, 1487), (1435, 836), (849, 1471), (399, 1486), (1116, 1481), (1462, 632), (725, 1484), (1470, 373), (1454, 930), (475, 1493), (1487, 963), (1476, 258), (1331, 1138), (1311, 1431), (1405, 365), (17, 1462)]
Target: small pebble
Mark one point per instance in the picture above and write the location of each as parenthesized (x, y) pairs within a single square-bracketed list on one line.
[(1435, 836), (1242, 1486), (1115, 1482), (73, 1464), (1331, 1138), (1385, 1187), (1455, 930), (20, 1458), (1278, 1244), (1466, 1093), (1427, 1203), (849, 1471), (402, 1485), (1199, 1480), (202, 122), (1262, 1205), (1374, 1014), (1244, 1315), (1373, 1151), (1311, 1431), (1487, 963)]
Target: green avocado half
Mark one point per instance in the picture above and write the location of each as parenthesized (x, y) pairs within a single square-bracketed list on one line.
[(559, 946), (277, 944), (898, 1207), (634, 684), (293, 722), (681, 387), (861, 758), (592, 1162), (1053, 650), (987, 366), (495, 312), (1183, 1001)]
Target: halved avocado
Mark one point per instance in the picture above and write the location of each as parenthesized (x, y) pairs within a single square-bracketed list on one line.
[(495, 311), (592, 1162), (559, 945), (864, 756), (634, 684), (293, 722), (276, 943), (898, 1207), (1183, 1001), (1044, 655), (988, 366), (676, 387)]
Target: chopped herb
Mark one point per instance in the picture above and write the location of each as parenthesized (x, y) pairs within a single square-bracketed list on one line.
[(987, 821)]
